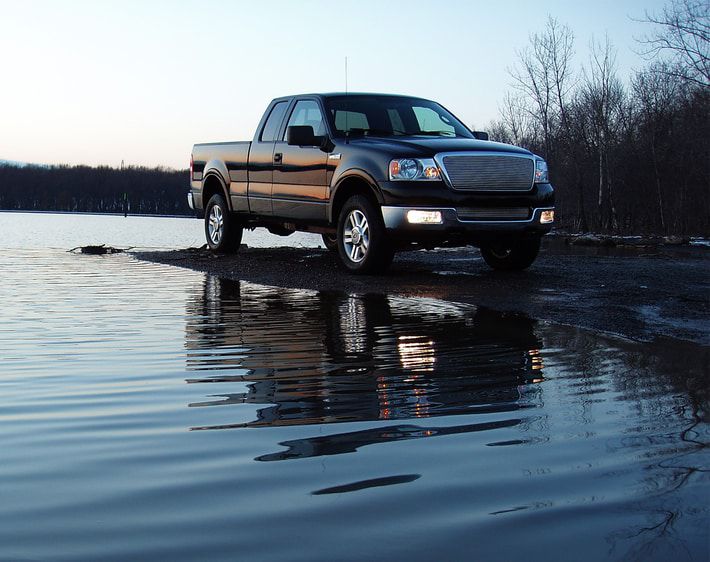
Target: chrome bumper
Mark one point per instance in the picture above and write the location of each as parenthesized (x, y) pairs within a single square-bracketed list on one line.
[(396, 218), (190, 200)]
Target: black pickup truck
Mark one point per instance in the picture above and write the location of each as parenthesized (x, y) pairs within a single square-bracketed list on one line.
[(373, 174)]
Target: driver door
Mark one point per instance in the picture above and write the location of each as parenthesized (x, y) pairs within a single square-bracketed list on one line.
[(300, 188)]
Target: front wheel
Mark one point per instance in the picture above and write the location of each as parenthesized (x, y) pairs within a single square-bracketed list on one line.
[(330, 241), (515, 255), (222, 230), (363, 246)]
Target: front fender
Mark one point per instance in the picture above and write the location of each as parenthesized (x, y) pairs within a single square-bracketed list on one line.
[(358, 174)]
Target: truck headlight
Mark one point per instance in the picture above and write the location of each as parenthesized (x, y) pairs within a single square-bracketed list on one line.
[(410, 169), (541, 175)]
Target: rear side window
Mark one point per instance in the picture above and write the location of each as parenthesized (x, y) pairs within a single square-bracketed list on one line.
[(271, 128)]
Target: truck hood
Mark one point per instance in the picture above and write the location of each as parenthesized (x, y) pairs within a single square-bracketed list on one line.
[(427, 147)]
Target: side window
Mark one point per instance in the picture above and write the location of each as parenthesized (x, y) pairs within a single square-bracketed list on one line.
[(307, 112), (271, 127), (430, 121)]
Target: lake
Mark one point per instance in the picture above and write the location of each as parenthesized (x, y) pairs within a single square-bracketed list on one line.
[(155, 413), (70, 230)]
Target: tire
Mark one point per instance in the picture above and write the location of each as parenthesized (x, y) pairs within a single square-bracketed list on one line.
[(222, 230), (330, 241), (363, 246), (515, 255)]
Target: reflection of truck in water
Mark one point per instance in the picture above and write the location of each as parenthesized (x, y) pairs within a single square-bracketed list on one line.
[(331, 357), (373, 174)]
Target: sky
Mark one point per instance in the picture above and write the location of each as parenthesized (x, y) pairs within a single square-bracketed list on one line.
[(100, 82)]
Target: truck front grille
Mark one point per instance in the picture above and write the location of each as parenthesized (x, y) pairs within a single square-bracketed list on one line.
[(493, 213), (489, 172)]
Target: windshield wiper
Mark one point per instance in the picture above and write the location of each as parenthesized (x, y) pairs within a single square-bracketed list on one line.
[(383, 132)]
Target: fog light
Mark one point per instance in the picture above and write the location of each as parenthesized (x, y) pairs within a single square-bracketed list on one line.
[(424, 217), (547, 217)]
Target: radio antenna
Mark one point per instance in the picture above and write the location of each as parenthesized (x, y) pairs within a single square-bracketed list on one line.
[(347, 108)]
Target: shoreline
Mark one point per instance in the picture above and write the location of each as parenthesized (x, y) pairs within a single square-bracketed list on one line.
[(640, 293)]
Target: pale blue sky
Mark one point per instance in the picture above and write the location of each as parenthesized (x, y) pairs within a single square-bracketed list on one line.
[(98, 82)]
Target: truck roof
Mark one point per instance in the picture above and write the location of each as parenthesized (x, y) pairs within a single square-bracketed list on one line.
[(340, 94)]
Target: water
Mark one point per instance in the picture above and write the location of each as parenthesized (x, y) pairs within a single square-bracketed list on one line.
[(150, 412), (70, 230)]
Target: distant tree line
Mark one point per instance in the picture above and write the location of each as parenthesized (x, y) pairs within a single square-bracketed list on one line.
[(137, 190), (624, 158)]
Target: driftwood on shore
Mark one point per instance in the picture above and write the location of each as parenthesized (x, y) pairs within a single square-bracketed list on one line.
[(97, 250)]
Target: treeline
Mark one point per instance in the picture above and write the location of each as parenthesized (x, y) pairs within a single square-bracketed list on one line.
[(625, 156), (137, 190)]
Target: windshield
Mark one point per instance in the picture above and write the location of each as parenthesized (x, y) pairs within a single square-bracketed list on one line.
[(391, 116)]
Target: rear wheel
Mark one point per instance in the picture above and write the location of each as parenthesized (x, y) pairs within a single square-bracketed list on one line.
[(222, 230), (363, 246), (514, 255)]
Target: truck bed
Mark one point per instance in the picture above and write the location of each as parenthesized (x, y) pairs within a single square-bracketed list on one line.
[(234, 155)]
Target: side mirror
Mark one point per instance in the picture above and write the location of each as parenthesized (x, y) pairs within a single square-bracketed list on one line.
[(480, 135), (301, 135)]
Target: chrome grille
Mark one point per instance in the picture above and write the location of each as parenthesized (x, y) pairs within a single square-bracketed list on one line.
[(489, 172), (493, 213)]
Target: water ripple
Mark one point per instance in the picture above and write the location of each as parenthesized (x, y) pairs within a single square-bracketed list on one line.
[(142, 408)]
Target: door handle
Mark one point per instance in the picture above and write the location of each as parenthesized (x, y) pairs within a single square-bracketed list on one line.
[(278, 157)]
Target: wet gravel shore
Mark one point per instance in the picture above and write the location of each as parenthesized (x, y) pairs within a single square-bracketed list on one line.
[(638, 293)]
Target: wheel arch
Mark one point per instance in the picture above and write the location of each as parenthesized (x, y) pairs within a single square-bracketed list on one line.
[(357, 182), (213, 184)]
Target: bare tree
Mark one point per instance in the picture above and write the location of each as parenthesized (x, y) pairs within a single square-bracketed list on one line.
[(683, 33), (514, 118), (561, 51), (640, 154), (542, 76), (656, 91), (603, 95)]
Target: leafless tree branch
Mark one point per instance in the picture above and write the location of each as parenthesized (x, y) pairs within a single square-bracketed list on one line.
[(683, 33)]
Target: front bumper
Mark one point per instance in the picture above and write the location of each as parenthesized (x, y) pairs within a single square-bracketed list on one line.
[(396, 219), (451, 226)]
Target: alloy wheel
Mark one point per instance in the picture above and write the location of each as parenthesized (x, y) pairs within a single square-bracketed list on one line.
[(216, 224), (356, 236)]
